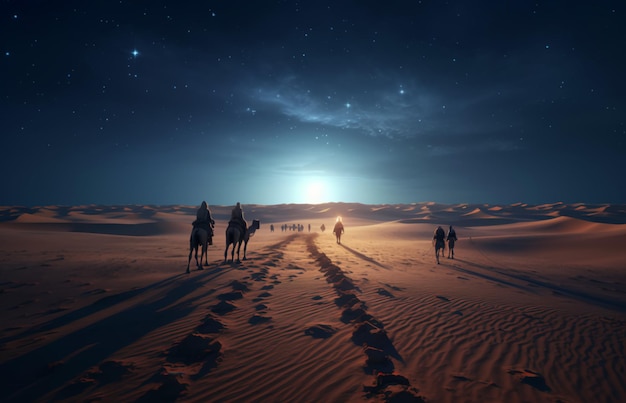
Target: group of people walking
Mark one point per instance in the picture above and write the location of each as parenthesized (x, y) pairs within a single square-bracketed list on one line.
[(439, 239)]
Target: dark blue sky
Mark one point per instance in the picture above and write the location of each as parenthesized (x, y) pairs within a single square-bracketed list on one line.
[(268, 102)]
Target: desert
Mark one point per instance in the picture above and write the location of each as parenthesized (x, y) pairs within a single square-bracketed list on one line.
[(96, 305)]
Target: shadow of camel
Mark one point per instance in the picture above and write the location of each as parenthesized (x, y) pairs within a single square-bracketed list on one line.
[(35, 373)]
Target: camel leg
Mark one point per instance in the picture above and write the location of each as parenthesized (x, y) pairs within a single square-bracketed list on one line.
[(189, 260), (190, 250), (232, 252), (238, 249), (202, 253), (226, 253), (245, 246)]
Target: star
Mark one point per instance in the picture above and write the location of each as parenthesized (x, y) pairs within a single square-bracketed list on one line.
[(135, 52)]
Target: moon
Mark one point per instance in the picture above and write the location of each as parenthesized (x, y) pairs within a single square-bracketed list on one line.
[(315, 192)]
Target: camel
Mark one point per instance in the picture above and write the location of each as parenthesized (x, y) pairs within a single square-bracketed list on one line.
[(198, 237), (235, 237)]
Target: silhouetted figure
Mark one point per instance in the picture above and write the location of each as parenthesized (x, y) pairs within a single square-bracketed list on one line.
[(201, 235), (309, 227), (338, 230), (236, 217), (439, 240), (323, 227), (205, 221), (235, 237), (272, 228), (451, 238)]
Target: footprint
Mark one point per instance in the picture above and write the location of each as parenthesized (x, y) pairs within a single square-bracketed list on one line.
[(257, 319), (239, 286), (210, 325), (385, 293), (223, 308), (195, 348), (230, 296), (320, 331)]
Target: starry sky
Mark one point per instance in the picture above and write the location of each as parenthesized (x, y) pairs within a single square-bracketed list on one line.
[(270, 102)]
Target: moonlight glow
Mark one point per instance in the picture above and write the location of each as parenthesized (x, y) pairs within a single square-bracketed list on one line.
[(325, 101), (315, 191)]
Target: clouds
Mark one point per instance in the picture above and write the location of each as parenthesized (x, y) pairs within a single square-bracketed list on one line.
[(393, 100), (400, 110), (360, 105)]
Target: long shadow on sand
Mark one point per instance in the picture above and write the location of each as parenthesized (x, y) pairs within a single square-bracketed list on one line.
[(510, 279), (363, 257), (34, 374), (99, 305)]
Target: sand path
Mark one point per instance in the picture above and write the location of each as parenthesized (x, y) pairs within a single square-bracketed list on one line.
[(305, 319)]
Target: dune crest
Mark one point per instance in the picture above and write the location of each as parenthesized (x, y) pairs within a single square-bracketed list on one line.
[(97, 305)]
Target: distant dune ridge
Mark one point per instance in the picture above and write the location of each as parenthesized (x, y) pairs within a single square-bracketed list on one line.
[(96, 305)]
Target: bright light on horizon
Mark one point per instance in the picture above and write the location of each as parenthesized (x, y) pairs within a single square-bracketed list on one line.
[(318, 189), (314, 191), (309, 189)]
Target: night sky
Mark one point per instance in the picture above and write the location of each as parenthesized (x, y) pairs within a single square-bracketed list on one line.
[(269, 102)]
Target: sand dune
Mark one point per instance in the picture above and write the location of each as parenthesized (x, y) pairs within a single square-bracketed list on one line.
[(478, 213), (96, 305)]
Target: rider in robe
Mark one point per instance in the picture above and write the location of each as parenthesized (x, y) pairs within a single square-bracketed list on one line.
[(204, 220), (236, 216), (451, 238), (439, 238), (338, 230)]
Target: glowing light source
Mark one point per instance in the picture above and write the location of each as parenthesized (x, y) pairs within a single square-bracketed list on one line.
[(315, 192)]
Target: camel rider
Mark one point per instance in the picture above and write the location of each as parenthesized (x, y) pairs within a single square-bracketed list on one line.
[(204, 219), (236, 216)]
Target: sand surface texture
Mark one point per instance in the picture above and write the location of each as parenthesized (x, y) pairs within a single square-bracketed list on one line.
[(96, 305)]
